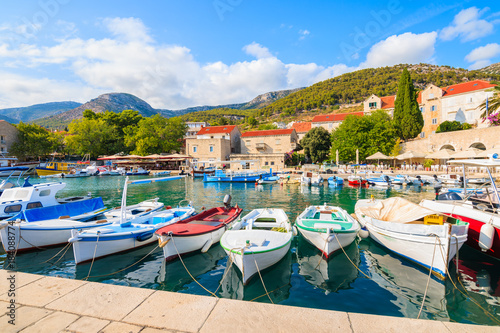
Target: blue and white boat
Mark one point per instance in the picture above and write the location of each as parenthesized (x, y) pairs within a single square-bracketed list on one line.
[(126, 232), (335, 181), (237, 176), (137, 172), (268, 180), (397, 180), (382, 181)]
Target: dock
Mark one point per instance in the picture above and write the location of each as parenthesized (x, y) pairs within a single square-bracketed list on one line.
[(54, 304)]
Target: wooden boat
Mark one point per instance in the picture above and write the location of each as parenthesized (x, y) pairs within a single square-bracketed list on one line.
[(257, 241), (289, 181), (305, 178), (424, 236), (335, 181), (198, 232), (55, 168), (484, 224), (327, 227)]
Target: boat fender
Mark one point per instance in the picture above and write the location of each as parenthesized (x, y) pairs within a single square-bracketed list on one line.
[(331, 238), (168, 207), (3, 224), (486, 235), (363, 233), (294, 231), (206, 246), (145, 236)]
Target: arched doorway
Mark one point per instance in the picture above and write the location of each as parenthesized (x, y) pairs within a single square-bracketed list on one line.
[(478, 145), (450, 147)]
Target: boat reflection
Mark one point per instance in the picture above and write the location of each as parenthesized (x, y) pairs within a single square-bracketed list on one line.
[(329, 275), (406, 282), (276, 279)]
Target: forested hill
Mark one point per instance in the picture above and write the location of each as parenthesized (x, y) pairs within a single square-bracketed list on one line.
[(356, 86)]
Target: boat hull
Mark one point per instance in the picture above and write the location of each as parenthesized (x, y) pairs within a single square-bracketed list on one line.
[(327, 243)]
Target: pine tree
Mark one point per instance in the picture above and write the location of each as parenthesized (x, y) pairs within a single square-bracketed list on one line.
[(408, 119)]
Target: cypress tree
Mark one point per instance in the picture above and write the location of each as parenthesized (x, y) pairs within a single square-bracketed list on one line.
[(408, 120)]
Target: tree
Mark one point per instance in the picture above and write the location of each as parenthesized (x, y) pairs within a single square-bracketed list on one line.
[(368, 134), (493, 104), (94, 137), (408, 120), (316, 144), (252, 121), (156, 135), (450, 126), (35, 141)]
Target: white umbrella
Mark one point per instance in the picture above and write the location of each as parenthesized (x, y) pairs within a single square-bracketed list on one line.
[(441, 154), (468, 153), (490, 151), (337, 157), (411, 154), (357, 156), (379, 156)]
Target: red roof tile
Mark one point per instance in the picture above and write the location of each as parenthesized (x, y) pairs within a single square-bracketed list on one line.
[(328, 118), (216, 129), (268, 132), (466, 87), (302, 127), (388, 102)]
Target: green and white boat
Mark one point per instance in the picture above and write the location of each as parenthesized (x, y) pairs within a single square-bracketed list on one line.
[(327, 227), (257, 241)]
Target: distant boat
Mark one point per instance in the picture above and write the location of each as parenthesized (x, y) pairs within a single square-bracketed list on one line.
[(268, 180), (335, 181), (199, 173), (137, 172), (236, 176), (259, 240), (356, 180), (317, 180), (56, 168), (383, 181)]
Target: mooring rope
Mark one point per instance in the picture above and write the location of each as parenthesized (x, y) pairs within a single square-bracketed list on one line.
[(429, 277), (93, 257), (262, 280), (350, 259)]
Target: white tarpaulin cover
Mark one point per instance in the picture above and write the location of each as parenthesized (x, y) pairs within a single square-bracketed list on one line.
[(396, 210)]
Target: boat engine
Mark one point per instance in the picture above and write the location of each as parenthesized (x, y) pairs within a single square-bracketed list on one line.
[(387, 179), (449, 196), (227, 201)]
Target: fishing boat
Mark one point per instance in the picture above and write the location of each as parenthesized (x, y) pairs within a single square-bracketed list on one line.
[(126, 233), (327, 227), (356, 180), (257, 241), (28, 196), (335, 181), (289, 181), (484, 225), (55, 168), (398, 179), (236, 176), (268, 180), (450, 179), (382, 181), (200, 172), (419, 234), (317, 180), (198, 232), (145, 207), (137, 172)]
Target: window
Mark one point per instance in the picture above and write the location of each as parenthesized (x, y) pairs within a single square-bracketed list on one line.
[(223, 136), (44, 193), (422, 135), (372, 105), (13, 209), (22, 194), (272, 163), (34, 205), (422, 109), (434, 121), (278, 141), (267, 163), (211, 149), (431, 96), (195, 149), (433, 108)]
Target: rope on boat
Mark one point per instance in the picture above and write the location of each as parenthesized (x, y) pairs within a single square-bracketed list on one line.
[(123, 269), (429, 277), (262, 280), (93, 257), (231, 261), (351, 260), (253, 299), (187, 270), (466, 294)]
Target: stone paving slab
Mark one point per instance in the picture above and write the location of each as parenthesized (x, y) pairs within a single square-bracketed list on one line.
[(117, 327), (372, 323), (21, 279), (174, 311), (42, 291), (55, 322), (240, 316), (464, 328), (25, 316), (104, 301), (87, 325)]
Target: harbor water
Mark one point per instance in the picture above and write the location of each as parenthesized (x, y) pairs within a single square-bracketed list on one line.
[(364, 278)]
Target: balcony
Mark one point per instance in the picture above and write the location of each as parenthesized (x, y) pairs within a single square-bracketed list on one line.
[(260, 146)]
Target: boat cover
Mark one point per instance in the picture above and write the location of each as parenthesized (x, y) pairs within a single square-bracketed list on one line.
[(396, 210), (54, 212)]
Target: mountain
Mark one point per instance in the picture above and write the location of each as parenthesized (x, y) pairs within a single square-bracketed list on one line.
[(266, 99), (491, 69), (29, 113)]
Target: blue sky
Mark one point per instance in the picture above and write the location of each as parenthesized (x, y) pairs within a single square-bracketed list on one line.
[(177, 54)]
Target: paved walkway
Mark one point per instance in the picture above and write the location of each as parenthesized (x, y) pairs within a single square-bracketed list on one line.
[(51, 304)]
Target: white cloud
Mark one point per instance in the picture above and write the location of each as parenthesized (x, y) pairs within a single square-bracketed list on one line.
[(304, 33), (468, 26), (128, 29), (480, 57), (257, 50), (407, 48)]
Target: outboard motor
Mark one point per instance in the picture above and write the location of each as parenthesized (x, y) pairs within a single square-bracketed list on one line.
[(227, 201), (437, 188), (420, 182), (387, 179), (449, 196)]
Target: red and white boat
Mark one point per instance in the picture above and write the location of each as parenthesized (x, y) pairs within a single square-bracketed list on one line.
[(356, 180), (197, 233), (484, 226)]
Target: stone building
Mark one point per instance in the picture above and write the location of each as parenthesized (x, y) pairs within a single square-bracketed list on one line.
[(8, 135), (330, 122), (301, 128), (214, 143)]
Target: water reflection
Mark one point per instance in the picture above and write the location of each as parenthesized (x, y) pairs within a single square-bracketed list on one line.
[(329, 275)]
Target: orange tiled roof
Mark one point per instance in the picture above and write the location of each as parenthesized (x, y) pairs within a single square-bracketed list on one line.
[(216, 129), (287, 131), (466, 87), (302, 127), (388, 102), (328, 118)]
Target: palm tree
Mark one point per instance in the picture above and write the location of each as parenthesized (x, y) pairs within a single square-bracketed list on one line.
[(493, 103)]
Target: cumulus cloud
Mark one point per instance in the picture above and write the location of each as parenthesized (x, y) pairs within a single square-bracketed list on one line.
[(257, 50), (481, 56), (407, 48), (468, 26)]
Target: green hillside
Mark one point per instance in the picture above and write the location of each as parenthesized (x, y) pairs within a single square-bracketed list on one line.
[(356, 86)]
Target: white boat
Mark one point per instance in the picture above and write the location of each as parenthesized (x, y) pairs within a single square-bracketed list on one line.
[(327, 227), (421, 235), (451, 179), (382, 181), (268, 180), (17, 199), (317, 180), (257, 241), (479, 181), (142, 208), (305, 178)]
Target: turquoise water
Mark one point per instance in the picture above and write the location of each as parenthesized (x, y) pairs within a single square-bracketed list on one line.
[(388, 285)]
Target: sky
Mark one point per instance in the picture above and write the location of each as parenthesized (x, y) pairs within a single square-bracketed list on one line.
[(176, 54)]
